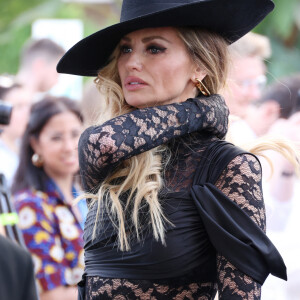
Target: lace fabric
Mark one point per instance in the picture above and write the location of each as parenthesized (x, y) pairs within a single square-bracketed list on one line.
[(121, 289), (240, 181)]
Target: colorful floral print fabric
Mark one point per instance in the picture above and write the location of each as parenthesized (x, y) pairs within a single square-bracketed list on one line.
[(53, 235)]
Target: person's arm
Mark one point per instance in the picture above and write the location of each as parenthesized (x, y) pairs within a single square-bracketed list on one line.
[(102, 148), (241, 182), (61, 292), (2, 230)]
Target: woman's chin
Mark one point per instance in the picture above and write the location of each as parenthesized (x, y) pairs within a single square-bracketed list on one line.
[(138, 104), (143, 104)]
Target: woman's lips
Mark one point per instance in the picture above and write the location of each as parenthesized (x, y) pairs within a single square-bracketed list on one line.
[(69, 161), (134, 83)]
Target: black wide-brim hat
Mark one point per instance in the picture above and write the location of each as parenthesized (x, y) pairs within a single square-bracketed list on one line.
[(229, 18)]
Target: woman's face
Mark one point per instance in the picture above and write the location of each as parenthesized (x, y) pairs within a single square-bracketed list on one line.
[(57, 145), (155, 68)]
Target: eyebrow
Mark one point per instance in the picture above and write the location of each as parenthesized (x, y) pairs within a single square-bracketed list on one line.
[(148, 39)]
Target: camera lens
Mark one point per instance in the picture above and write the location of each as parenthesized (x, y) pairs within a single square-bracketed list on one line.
[(5, 112)]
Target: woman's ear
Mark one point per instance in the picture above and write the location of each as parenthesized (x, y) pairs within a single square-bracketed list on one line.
[(198, 73)]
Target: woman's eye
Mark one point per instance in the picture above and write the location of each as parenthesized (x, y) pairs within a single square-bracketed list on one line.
[(155, 49), (125, 49), (56, 138)]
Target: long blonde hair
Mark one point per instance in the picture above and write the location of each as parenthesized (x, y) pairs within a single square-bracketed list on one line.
[(140, 176)]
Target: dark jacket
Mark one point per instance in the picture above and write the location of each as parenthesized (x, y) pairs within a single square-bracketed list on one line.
[(16, 272)]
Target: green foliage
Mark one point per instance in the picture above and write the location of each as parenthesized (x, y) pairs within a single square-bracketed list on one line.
[(282, 27), (15, 28), (284, 61), (283, 18), (10, 51), (15, 25), (13, 8)]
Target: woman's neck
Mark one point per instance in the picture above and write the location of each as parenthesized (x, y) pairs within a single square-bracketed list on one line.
[(189, 143), (64, 184)]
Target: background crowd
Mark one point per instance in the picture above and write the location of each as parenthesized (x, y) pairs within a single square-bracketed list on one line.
[(38, 156)]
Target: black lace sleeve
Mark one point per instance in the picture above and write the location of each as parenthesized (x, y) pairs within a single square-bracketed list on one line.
[(241, 182), (102, 148)]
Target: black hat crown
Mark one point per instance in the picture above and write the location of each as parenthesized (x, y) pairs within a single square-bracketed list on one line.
[(132, 9)]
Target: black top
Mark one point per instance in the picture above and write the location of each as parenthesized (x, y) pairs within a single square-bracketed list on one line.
[(190, 256), (187, 247)]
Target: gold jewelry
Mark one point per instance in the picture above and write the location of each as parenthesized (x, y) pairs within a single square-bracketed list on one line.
[(37, 160), (202, 88)]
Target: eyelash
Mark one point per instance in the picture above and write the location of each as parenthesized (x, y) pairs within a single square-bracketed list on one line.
[(126, 49), (156, 48)]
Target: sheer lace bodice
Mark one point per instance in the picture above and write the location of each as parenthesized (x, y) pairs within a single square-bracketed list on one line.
[(187, 128)]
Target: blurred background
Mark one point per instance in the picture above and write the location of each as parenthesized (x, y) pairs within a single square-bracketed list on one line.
[(67, 21)]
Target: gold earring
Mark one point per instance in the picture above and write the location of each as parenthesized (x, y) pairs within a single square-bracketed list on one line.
[(37, 160), (202, 88)]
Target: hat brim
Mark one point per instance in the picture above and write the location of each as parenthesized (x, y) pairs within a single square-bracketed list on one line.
[(231, 19)]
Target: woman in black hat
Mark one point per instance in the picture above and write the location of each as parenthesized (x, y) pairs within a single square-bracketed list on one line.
[(174, 211)]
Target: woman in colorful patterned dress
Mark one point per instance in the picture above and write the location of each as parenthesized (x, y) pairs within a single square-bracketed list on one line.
[(44, 188)]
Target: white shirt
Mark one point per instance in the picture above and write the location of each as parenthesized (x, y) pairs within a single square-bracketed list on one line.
[(239, 132), (9, 162), (285, 236)]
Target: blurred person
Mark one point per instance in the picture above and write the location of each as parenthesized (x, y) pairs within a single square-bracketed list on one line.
[(282, 192), (16, 272), (247, 72), (280, 177), (44, 188), (20, 98), (278, 101), (246, 80), (38, 61)]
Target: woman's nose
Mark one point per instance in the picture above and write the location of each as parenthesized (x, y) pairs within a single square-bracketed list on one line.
[(135, 61), (70, 144)]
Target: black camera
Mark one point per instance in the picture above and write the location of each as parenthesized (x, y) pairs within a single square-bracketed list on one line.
[(5, 112)]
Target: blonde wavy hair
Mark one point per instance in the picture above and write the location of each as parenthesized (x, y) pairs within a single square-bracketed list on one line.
[(140, 176)]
